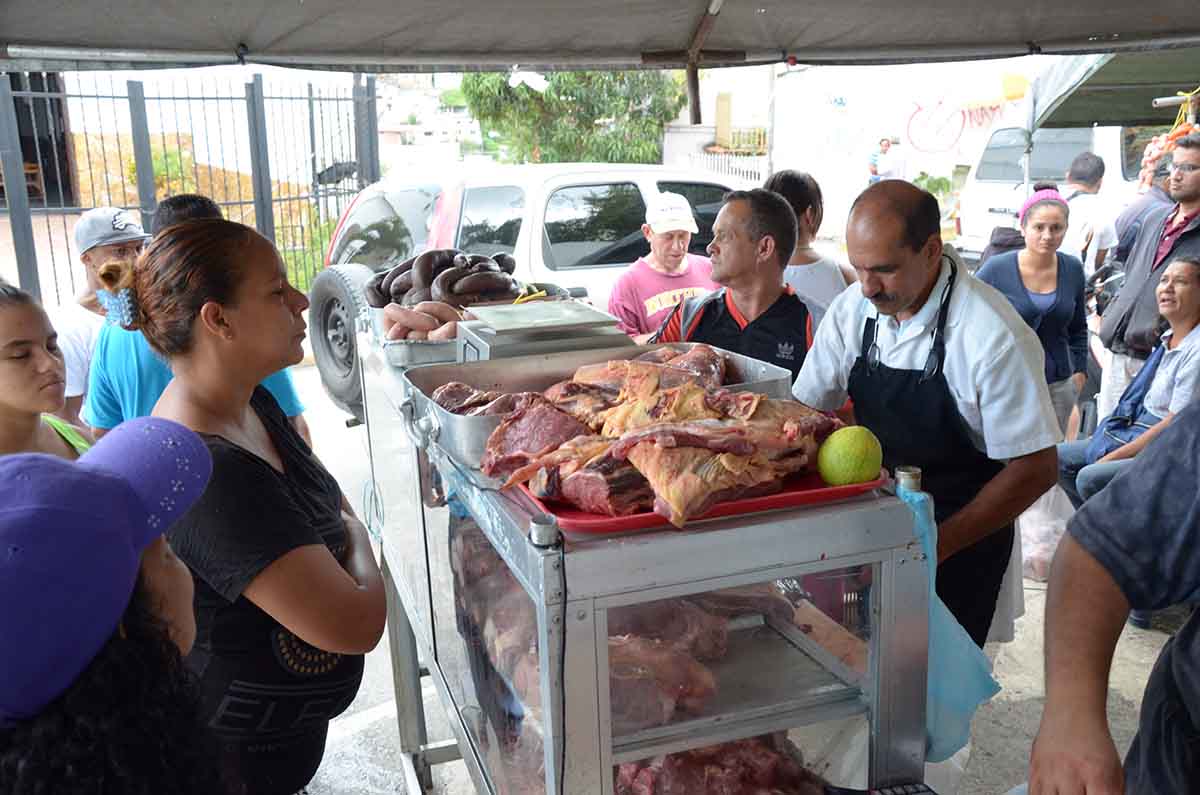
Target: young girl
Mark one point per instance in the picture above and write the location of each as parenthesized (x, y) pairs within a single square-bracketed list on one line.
[(1046, 288), (288, 595), (32, 382), (94, 695), (816, 279)]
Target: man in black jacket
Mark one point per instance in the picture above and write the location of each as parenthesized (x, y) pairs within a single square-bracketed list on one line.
[(1130, 221), (1130, 327)]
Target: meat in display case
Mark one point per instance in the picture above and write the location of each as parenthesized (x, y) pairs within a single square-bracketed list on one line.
[(658, 661)]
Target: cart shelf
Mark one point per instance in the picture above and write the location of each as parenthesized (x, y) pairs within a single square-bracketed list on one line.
[(765, 683)]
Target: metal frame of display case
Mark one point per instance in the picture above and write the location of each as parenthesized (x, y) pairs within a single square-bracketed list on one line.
[(764, 688)]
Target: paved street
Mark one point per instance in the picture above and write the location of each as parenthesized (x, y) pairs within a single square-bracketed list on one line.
[(363, 758)]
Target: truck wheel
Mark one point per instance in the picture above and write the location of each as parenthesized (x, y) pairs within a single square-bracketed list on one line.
[(335, 303)]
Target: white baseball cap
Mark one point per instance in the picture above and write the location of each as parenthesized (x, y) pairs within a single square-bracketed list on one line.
[(104, 226), (670, 212)]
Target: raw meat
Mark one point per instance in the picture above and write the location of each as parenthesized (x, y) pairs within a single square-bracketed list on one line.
[(610, 375), (609, 486), (675, 621), (762, 599), (703, 362), (715, 435), (506, 404), (560, 463), (687, 481), (659, 355), (643, 403), (648, 680), (525, 435), (743, 767), (587, 403), (458, 398)]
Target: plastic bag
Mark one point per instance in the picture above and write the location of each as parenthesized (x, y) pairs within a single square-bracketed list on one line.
[(1042, 527), (960, 675)]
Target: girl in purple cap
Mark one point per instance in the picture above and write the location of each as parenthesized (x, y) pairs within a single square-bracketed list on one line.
[(33, 382), (1046, 286), (95, 698), (288, 595)]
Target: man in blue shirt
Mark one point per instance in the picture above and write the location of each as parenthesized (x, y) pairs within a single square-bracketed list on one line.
[(1132, 545), (128, 377)]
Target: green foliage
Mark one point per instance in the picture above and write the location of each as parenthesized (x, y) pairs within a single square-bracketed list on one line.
[(938, 186), (303, 249), (607, 117), (412, 118), (453, 98), (174, 170)]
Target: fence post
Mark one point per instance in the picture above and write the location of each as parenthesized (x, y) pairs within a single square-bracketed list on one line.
[(260, 162), (373, 131), (12, 165), (366, 131), (143, 159)]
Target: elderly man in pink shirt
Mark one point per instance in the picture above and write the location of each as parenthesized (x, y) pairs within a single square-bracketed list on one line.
[(651, 287)]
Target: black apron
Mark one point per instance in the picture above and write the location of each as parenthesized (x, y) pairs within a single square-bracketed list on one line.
[(916, 419)]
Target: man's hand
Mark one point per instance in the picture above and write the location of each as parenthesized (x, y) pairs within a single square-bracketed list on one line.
[(1079, 379), (1073, 755)]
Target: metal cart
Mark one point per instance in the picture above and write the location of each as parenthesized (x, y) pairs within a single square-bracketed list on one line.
[(511, 620)]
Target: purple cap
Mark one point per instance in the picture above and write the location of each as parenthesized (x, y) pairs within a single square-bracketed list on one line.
[(71, 539)]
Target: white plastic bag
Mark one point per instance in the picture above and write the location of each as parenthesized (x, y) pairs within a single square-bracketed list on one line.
[(1042, 527)]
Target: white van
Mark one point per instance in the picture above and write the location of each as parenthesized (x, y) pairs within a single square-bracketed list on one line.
[(995, 187)]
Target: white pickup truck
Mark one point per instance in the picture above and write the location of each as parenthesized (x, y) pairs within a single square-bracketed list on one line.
[(576, 225)]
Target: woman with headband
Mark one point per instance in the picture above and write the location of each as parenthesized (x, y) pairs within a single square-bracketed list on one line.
[(1046, 288)]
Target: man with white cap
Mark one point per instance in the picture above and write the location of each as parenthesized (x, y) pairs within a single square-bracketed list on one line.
[(102, 234), (651, 287)]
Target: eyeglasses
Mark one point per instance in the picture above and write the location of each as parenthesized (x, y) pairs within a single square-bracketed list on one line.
[(1184, 168)]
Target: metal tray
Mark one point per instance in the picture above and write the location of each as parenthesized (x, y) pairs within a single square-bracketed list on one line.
[(464, 438), (406, 353)]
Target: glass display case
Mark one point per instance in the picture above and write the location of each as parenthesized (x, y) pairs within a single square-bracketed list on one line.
[(575, 666)]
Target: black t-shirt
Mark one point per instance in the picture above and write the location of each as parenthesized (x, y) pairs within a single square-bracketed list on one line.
[(266, 694), (1144, 528), (780, 336)]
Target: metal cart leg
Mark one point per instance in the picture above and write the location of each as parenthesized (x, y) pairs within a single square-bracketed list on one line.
[(406, 678)]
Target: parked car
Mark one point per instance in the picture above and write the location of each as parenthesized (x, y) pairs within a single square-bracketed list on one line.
[(576, 225), (994, 190)]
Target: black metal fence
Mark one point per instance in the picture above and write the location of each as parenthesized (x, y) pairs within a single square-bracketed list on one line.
[(285, 158)]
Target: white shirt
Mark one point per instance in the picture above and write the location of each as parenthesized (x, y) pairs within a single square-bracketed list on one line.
[(1177, 379), (817, 284), (1089, 215), (77, 330), (994, 362)]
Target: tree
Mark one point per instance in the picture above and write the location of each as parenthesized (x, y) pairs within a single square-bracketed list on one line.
[(607, 117)]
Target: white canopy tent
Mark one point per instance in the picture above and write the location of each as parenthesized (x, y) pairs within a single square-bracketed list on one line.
[(399, 35)]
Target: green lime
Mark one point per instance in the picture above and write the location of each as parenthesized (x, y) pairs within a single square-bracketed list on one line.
[(850, 455)]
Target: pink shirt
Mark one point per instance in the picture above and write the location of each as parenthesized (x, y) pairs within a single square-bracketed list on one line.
[(643, 297)]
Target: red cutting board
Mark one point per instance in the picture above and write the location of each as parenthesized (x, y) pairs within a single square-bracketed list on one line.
[(807, 489)]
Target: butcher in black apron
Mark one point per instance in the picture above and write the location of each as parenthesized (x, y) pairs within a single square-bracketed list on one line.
[(908, 400)]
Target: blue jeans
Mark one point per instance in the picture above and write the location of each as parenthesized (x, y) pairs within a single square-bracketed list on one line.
[(1079, 479)]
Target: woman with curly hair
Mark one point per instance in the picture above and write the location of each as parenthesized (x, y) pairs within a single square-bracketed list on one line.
[(289, 597), (94, 695)]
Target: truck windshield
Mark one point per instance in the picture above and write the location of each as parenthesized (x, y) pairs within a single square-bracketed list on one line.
[(1053, 151)]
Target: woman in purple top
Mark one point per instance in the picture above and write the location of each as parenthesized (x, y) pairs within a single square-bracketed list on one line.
[(1046, 289)]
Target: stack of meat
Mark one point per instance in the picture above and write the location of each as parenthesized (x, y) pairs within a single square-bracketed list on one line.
[(757, 766), (656, 432)]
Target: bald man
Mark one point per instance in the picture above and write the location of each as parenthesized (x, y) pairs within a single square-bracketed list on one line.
[(947, 375)]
